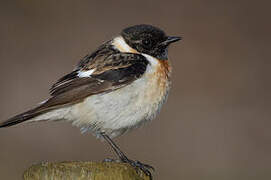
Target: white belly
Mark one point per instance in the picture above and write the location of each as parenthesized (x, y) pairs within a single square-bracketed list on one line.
[(120, 110)]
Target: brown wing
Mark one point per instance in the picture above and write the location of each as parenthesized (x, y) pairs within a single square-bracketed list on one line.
[(111, 72)]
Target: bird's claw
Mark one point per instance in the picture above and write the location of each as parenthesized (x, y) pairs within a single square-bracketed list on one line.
[(143, 167)]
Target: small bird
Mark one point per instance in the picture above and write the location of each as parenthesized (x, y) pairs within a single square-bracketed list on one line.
[(119, 87)]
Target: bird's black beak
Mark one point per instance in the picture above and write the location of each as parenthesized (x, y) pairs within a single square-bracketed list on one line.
[(171, 39)]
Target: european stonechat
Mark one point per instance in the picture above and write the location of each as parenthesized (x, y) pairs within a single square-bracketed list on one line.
[(118, 87)]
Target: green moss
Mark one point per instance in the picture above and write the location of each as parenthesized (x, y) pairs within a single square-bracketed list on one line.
[(83, 171)]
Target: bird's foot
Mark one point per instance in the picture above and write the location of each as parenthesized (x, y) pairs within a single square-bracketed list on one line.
[(138, 165)]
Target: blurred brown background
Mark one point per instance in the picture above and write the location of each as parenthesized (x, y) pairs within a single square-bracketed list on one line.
[(216, 123)]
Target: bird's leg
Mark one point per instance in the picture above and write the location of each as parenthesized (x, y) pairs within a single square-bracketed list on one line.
[(136, 164), (117, 150)]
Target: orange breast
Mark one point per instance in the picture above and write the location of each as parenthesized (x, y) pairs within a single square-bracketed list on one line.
[(165, 68), (163, 74), (159, 82)]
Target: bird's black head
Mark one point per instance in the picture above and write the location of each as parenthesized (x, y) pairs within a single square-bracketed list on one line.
[(149, 40)]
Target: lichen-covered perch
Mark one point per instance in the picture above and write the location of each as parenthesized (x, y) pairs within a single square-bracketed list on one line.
[(83, 171)]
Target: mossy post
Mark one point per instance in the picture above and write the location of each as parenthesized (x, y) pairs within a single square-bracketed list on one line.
[(83, 171)]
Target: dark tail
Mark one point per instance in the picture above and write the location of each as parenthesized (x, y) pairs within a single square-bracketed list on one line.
[(21, 117)]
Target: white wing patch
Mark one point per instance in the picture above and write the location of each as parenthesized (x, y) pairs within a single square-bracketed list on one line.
[(85, 73)]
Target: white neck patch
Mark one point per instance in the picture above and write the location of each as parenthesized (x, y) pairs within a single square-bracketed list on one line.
[(151, 59), (120, 44)]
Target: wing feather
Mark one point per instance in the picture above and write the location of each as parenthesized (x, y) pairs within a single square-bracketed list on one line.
[(118, 70)]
